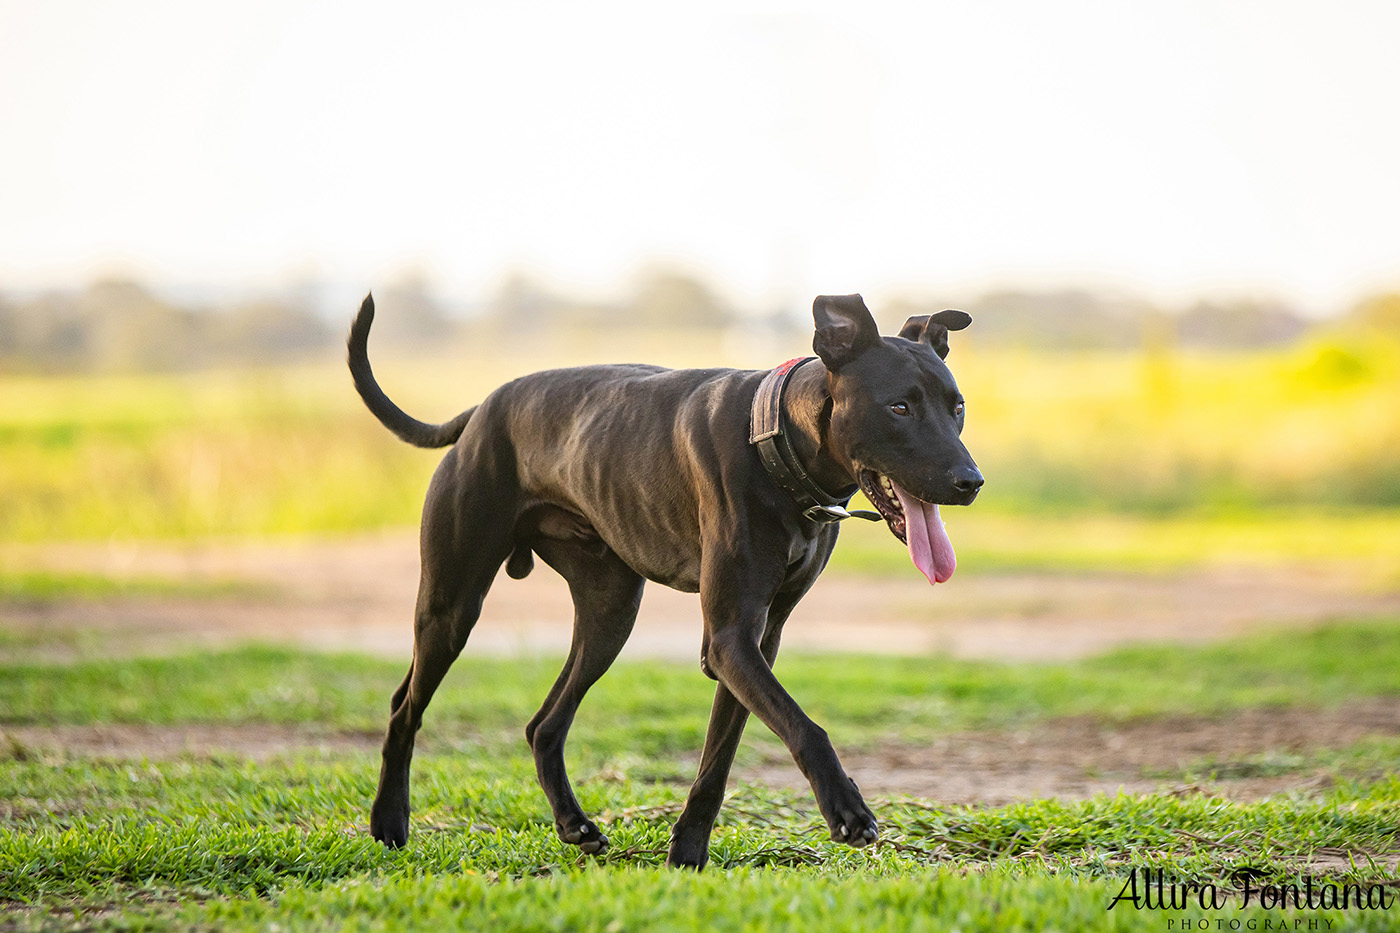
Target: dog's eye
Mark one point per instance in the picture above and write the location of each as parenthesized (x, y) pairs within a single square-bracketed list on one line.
[(958, 409), (900, 408)]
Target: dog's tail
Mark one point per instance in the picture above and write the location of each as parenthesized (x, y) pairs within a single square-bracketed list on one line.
[(417, 433)]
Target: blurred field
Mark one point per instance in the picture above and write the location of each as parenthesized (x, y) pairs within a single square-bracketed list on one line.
[(1143, 458), (154, 780)]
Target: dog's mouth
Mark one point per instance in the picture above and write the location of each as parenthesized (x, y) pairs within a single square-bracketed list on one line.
[(914, 522)]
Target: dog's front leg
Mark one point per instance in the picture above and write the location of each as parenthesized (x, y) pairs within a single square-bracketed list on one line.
[(690, 838), (735, 619)]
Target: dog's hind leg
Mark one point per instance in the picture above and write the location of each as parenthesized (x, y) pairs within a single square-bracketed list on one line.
[(606, 595), (397, 699), (461, 552), (690, 837)]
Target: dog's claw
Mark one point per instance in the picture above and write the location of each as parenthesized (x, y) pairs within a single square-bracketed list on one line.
[(589, 839), (854, 835)]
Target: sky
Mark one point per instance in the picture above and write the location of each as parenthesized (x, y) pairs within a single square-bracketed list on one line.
[(1178, 150)]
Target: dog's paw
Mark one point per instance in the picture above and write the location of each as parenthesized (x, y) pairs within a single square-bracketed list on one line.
[(584, 834), (851, 821), (688, 850), (693, 859), (389, 826), (856, 831)]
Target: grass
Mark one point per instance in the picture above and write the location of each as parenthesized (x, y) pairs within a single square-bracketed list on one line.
[(1120, 461), (1375, 755), (1124, 461), (42, 586), (218, 840), (657, 708), (281, 843), (290, 450), (1361, 545), (1352, 542)]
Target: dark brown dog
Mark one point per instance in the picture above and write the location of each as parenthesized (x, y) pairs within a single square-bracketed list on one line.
[(615, 475)]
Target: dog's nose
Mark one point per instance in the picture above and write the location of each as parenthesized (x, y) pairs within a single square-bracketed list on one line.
[(967, 479)]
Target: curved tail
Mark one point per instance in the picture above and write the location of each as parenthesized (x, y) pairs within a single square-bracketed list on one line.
[(415, 432)]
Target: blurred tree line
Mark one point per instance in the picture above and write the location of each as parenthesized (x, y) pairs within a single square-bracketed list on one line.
[(1080, 318), (118, 324)]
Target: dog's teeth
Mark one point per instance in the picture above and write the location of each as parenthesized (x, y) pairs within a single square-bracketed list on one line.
[(888, 486)]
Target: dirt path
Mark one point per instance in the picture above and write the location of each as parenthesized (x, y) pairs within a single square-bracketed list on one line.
[(1079, 757), (357, 595), (1070, 758)]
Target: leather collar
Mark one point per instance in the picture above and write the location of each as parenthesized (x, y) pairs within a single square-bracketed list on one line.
[(767, 432)]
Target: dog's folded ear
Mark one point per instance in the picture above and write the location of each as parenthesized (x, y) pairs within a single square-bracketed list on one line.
[(933, 328), (845, 329)]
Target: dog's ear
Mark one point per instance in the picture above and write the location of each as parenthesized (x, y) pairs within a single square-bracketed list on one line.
[(933, 328), (845, 329)]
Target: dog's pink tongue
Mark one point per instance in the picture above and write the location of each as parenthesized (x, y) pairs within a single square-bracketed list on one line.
[(929, 546)]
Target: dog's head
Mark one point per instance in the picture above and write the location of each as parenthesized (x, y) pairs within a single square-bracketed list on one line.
[(896, 417)]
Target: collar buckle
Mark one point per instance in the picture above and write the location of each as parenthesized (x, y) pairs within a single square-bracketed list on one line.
[(826, 514)]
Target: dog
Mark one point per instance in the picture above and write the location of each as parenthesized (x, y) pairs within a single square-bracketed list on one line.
[(725, 482)]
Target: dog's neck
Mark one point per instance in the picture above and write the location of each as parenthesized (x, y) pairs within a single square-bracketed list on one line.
[(805, 404)]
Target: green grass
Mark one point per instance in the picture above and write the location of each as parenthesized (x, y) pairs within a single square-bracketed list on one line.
[(291, 450), (282, 843), (1119, 461), (216, 840), (658, 708), (1352, 542), (42, 586), (1362, 545), (1375, 756)]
